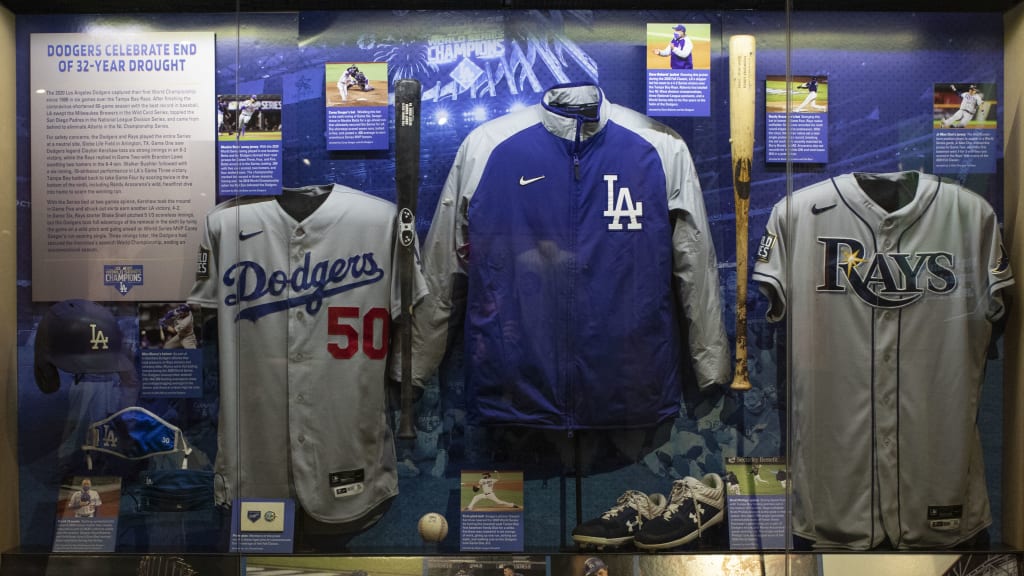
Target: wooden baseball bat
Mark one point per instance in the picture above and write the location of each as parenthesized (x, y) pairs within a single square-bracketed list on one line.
[(407, 176), (742, 94)]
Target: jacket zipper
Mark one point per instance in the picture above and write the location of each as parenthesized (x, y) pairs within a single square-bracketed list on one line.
[(572, 368)]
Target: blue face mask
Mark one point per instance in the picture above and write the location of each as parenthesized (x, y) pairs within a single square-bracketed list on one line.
[(134, 434)]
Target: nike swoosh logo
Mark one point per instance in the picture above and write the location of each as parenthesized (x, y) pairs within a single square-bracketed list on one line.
[(523, 181), (243, 236), (815, 210)]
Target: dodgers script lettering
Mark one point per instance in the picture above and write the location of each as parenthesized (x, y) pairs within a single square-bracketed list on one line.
[(308, 284)]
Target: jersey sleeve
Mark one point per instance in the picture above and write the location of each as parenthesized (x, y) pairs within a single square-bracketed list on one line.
[(1000, 276), (695, 266), (204, 290), (770, 264)]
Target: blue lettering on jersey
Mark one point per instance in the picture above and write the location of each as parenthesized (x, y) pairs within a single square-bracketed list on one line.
[(309, 283), (884, 280)]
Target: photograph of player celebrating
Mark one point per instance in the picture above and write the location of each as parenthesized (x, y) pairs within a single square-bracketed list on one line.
[(484, 490), (677, 46), (679, 49), (246, 110), (84, 502)]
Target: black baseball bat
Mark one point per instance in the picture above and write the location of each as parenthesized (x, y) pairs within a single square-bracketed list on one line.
[(407, 175)]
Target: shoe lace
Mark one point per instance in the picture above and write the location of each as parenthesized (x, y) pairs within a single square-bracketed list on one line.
[(681, 491), (630, 499)]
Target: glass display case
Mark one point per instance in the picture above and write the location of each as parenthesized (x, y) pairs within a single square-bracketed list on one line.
[(516, 289)]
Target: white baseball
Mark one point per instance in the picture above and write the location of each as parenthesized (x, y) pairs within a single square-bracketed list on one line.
[(433, 527)]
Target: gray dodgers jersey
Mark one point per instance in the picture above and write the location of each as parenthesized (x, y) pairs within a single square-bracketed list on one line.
[(304, 316), (890, 317)]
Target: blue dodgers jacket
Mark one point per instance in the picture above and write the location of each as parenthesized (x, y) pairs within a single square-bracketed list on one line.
[(581, 231)]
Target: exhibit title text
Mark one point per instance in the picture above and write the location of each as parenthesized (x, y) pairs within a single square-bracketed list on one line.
[(122, 56)]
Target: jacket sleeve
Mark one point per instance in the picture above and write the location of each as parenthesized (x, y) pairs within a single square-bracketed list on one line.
[(695, 267), (443, 259)]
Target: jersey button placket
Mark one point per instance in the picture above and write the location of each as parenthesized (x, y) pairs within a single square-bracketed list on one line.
[(886, 384), (299, 356), (295, 324)]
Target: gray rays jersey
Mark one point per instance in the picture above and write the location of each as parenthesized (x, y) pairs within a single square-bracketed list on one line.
[(890, 315), (304, 315)]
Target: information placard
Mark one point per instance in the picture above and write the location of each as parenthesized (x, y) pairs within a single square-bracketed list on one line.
[(87, 512), (678, 69), (796, 119), (123, 163), (756, 490), (965, 123), (357, 105), (492, 511)]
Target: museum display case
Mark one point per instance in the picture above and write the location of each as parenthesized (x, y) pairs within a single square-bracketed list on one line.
[(513, 289)]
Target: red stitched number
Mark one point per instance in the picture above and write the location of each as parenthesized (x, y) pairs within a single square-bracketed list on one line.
[(374, 337)]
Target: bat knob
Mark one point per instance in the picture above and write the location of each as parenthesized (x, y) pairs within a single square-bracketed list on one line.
[(739, 383)]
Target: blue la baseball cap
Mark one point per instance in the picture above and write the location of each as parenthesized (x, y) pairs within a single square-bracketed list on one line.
[(680, 28), (80, 337)]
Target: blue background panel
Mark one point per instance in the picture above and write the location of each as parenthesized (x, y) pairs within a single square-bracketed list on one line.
[(881, 68)]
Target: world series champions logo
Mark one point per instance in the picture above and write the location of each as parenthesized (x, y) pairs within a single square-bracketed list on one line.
[(123, 277), (884, 279)]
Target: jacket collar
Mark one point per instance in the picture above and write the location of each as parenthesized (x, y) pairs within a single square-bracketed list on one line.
[(568, 107)]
